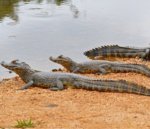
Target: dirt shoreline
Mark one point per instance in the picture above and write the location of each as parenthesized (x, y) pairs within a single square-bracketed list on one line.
[(76, 108)]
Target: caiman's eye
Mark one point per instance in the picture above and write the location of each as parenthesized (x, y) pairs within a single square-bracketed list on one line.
[(15, 61), (23, 63), (60, 56)]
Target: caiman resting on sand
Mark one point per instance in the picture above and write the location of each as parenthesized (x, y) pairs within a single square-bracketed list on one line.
[(58, 81), (111, 51), (99, 66)]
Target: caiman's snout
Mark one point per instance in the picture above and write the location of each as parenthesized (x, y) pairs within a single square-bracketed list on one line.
[(2, 63), (56, 58), (10, 65), (51, 58)]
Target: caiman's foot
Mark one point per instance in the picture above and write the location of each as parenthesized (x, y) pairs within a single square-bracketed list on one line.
[(101, 73), (59, 86), (55, 89), (26, 86), (22, 88)]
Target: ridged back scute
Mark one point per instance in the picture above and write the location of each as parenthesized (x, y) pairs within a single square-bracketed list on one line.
[(103, 50), (115, 51)]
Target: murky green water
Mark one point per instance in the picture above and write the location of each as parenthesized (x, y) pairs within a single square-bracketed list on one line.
[(33, 30)]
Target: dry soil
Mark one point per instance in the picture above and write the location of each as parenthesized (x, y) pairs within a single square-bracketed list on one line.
[(76, 108)]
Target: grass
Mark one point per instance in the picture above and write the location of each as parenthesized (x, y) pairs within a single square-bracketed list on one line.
[(24, 124)]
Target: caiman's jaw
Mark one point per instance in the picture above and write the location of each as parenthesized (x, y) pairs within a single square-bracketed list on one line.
[(53, 59), (11, 66), (15, 65), (60, 59)]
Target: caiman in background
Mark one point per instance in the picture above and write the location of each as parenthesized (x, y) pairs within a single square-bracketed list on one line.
[(112, 51), (100, 66)]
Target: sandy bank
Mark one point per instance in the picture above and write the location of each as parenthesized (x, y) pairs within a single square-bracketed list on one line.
[(74, 108)]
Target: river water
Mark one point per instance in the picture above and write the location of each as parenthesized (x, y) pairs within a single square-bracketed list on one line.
[(33, 30)]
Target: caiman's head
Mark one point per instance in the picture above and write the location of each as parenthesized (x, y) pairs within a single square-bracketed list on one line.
[(91, 54), (16, 66), (65, 61), (60, 59)]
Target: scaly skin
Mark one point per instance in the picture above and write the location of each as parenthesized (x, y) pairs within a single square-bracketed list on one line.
[(58, 81), (99, 66), (111, 51)]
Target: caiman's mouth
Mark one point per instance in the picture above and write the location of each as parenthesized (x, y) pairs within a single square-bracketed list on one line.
[(8, 65), (4, 64), (52, 58), (56, 59)]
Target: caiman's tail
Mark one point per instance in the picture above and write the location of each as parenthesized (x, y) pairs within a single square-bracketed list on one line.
[(137, 68), (117, 51), (113, 86)]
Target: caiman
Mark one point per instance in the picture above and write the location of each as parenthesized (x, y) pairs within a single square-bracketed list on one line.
[(113, 51), (59, 81), (99, 66)]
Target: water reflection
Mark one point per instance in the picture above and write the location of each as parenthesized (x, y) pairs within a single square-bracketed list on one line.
[(8, 8), (46, 28), (74, 10), (57, 2)]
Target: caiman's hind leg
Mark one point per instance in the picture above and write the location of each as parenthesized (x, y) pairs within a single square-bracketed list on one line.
[(146, 55), (103, 69), (76, 70), (58, 86), (26, 86)]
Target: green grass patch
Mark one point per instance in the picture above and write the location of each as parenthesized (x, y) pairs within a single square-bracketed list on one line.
[(24, 124)]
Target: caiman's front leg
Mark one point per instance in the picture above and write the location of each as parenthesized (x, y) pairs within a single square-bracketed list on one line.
[(26, 86), (58, 86)]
